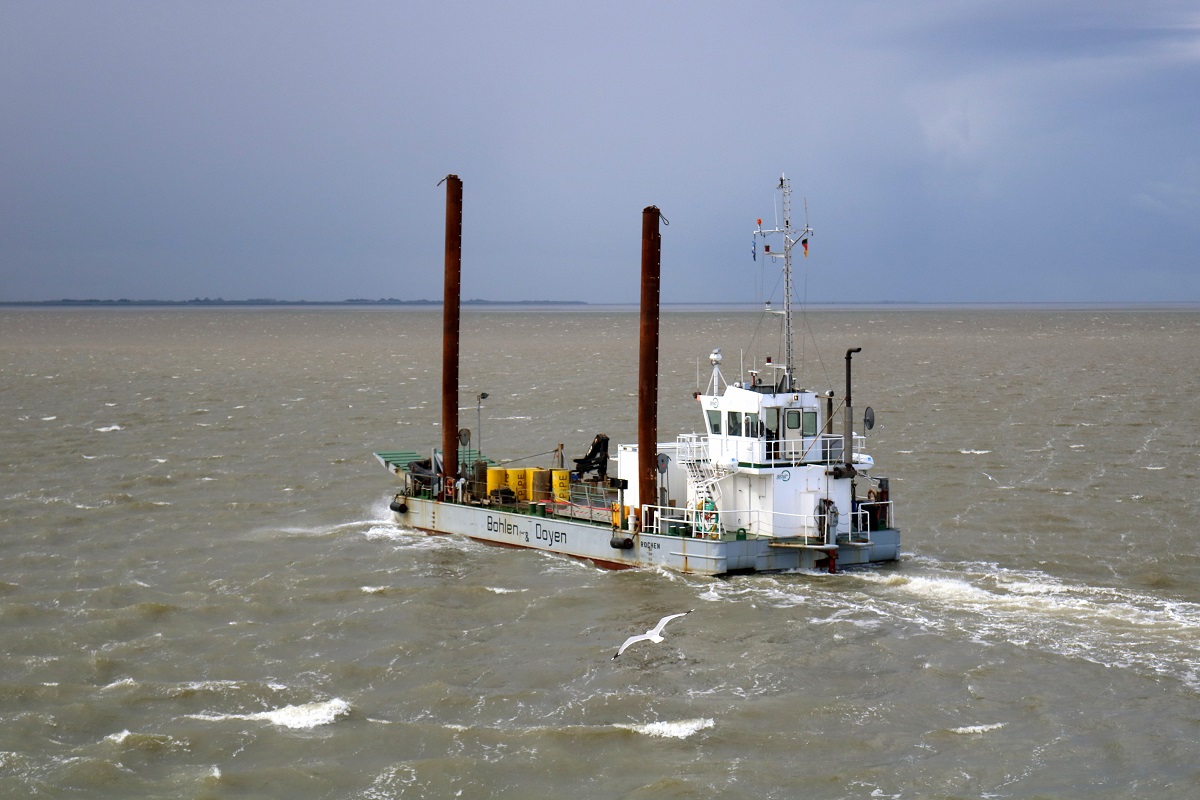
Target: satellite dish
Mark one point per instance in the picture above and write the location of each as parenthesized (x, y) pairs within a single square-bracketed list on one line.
[(464, 436), (663, 460), (869, 418)]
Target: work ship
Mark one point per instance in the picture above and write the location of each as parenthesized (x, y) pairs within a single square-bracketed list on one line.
[(774, 476)]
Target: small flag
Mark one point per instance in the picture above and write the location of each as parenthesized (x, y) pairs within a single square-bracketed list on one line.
[(753, 250), (804, 244)]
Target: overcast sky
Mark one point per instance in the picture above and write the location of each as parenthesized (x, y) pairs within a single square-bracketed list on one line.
[(1017, 150)]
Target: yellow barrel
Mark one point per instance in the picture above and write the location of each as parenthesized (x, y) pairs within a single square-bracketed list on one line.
[(561, 481), (497, 478), (539, 484), (519, 484)]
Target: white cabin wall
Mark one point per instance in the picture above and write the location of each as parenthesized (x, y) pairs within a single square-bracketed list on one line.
[(627, 468), (675, 480)]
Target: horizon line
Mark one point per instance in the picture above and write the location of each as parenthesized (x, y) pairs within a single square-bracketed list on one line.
[(391, 301)]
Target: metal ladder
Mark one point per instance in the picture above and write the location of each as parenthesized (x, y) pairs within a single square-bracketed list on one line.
[(702, 474)]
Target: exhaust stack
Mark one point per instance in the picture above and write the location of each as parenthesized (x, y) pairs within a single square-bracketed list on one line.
[(848, 436)]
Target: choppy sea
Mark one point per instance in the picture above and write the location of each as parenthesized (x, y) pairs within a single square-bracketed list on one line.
[(202, 594)]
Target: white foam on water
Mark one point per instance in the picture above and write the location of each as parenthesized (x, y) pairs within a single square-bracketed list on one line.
[(390, 532), (358, 523), (681, 729), (977, 729), (309, 715), (109, 429), (500, 590), (1107, 626), (220, 685), (301, 717), (373, 589), (49, 419), (152, 742), (201, 686), (769, 591), (668, 574), (974, 452)]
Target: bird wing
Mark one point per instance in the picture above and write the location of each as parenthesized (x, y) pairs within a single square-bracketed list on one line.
[(640, 637), (662, 623)]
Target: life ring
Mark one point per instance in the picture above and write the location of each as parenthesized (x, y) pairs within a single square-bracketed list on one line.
[(706, 517)]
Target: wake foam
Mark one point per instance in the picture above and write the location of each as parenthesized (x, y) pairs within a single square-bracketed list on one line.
[(1107, 626)]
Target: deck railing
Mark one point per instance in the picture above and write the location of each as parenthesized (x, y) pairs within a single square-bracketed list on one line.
[(729, 524), (823, 449), (732, 524)]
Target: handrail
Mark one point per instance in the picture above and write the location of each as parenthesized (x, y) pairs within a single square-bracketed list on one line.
[(821, 449), (883, 511), (712, 524), (708, 524)]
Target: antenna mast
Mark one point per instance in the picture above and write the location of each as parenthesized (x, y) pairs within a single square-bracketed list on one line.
[(790, 238)]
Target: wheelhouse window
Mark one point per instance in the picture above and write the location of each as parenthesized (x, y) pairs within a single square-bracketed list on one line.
[(810, 423), (735, 423), (752, 426), (802, 420), (714, 421)]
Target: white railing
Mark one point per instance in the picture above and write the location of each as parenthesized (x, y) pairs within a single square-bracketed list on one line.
[(692, 448), (754, 523), (700, 523), (827, 448), (873, 515)]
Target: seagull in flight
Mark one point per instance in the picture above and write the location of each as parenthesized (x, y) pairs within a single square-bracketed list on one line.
[(652, 635)]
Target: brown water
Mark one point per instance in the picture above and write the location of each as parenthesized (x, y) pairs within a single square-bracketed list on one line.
[(201, 595)]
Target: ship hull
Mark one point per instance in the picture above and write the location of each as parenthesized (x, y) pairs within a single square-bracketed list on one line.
[(594, 542)]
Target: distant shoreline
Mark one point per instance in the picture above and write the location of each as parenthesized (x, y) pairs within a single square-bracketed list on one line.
[(827, 305), (389, 301)]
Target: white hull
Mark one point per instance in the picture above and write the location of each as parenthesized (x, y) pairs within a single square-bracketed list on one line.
[(593, 542)]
